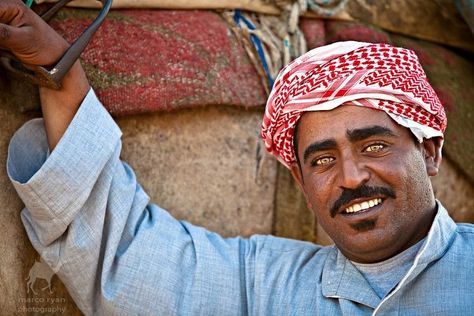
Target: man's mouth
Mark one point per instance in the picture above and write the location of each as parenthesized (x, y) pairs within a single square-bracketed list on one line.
[(362, 206), (361, 200)]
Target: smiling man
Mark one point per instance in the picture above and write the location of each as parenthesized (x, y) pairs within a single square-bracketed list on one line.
[(365, 140), (366, 180), (360, 129)]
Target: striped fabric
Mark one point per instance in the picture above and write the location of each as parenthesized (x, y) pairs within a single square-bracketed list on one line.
[(378, 76)]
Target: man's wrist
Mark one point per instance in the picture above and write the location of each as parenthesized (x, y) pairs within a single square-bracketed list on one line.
[(60, 106)]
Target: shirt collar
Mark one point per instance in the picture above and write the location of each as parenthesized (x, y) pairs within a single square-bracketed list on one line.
[(439, 237), (341, 279)]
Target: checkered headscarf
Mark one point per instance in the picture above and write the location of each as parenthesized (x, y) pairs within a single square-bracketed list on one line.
[(378, 76)]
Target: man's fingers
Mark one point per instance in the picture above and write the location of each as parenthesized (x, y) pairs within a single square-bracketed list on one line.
[(30, 39), (10, 9), (12, 13)]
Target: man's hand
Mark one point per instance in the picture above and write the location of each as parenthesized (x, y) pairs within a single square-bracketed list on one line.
[(27, 36), (34, 42)]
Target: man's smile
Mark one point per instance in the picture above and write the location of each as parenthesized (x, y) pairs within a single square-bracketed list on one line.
[(362, 214), (363, 209), (362, 199), (362, 206)]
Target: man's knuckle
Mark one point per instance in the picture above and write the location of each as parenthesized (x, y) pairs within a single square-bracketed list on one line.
[(19, 8), (5, 33)]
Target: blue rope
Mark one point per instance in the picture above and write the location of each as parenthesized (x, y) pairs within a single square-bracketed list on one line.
[(256, 42)]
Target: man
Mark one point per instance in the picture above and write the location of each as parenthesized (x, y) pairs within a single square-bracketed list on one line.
[(363, 163)]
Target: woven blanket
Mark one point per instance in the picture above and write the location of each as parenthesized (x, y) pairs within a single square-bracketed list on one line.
[(149, 60)]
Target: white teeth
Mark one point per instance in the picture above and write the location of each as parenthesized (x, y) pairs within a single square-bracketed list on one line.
[(363, 206)]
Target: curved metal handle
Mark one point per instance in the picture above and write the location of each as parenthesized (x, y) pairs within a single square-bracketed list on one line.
[(74, 51), (36, 75)]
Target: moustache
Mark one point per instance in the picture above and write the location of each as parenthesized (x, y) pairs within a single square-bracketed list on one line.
[(363, 191)]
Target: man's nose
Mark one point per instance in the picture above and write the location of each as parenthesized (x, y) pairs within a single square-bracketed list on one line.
[(353, 173)]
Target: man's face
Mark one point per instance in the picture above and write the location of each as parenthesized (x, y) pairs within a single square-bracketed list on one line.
[(366, 180)]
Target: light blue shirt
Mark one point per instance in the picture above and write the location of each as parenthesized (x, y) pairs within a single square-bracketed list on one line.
[(118, 254)]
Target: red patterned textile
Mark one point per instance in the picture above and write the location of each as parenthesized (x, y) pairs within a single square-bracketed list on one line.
[(378, 76), (142, 61)]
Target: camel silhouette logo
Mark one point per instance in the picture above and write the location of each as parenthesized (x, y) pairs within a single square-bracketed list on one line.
[(40, 270)]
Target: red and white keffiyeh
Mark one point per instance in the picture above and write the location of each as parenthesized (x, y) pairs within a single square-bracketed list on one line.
[(378, 76)]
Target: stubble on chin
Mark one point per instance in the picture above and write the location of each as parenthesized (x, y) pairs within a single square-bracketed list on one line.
[(364, 225)]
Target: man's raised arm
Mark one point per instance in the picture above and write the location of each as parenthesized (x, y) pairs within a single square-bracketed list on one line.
[(89, 218), (33, 42)]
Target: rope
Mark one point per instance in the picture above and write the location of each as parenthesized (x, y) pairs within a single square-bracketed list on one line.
[(272, 42), (238, 18)]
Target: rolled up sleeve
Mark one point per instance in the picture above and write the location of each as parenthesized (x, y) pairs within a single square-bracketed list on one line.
[(91, 221)]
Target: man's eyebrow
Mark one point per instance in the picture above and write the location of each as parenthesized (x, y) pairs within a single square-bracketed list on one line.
[(366, 132), (317, 146)]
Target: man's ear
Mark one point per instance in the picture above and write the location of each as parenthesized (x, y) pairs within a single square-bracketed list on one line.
[(298, 176), (432, 154)]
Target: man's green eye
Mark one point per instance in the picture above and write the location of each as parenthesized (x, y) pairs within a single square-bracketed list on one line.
[(324, 161), (375, 147)]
